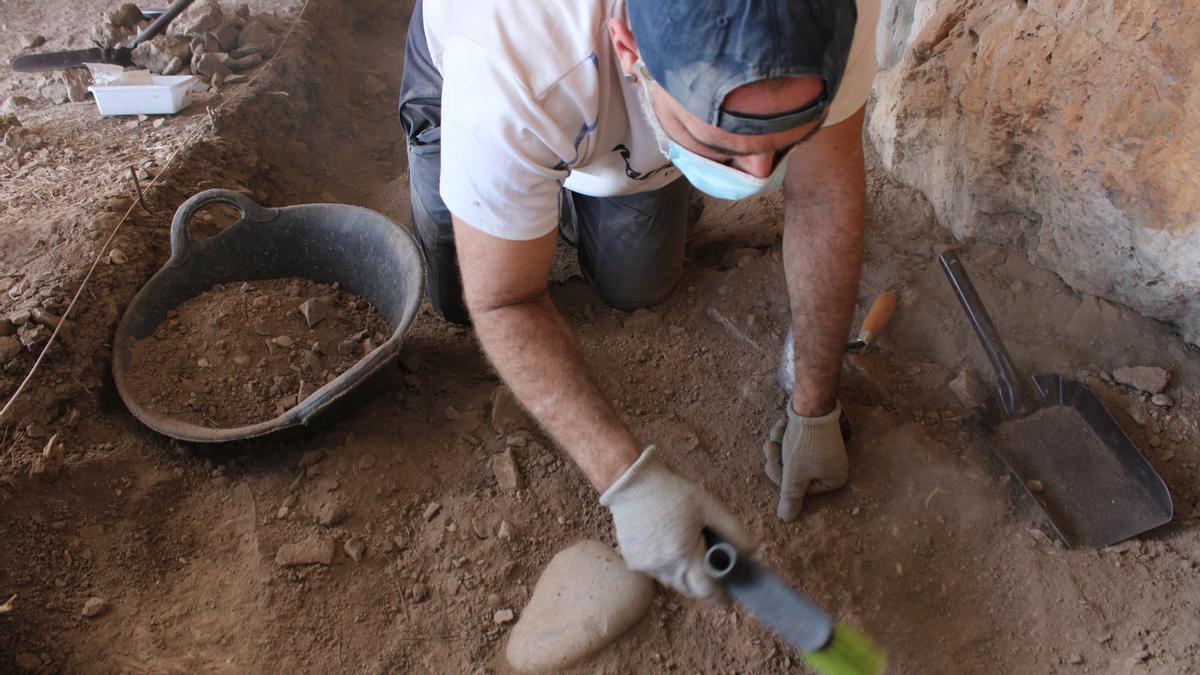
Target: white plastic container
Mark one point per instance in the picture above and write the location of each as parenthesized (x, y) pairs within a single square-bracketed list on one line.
[(163, 95)]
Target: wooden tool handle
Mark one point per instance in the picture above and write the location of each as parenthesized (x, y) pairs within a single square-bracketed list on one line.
[(877, 319)]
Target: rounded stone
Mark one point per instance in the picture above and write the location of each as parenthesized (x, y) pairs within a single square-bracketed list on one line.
[(583, 601)]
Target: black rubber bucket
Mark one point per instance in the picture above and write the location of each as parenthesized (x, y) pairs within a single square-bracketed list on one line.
[(367, 253)]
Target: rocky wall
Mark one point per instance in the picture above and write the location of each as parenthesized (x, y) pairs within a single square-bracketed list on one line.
[(1067, 128)]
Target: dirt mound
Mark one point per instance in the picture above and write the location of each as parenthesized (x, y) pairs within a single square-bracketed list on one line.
[(243, 353)]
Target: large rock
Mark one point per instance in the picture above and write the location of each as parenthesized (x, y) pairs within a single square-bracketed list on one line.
[(156, 55), (583, 601), (1063, 127), (201, 17)]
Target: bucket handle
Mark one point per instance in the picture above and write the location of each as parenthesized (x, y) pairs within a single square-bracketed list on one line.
[(181, 232)]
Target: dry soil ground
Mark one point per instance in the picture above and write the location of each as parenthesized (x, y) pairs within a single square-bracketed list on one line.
[(929, 548)]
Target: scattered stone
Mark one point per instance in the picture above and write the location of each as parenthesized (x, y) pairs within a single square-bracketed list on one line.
[(173, 67), (355, 547), (251, 48), (10, 348), (507, 413), (314, 310), (44, 318), (1162, 400), (200, 17), (7, 327), (247, 62), (505, 531), (431, 511), (211, 65), (970, 388), (312, 550), (283, 341), (584, 600), (155, 55), (508, 474), (20, 317), (309, 458), (77, 81), (1035, 486), (108, 35), (503, 616), (227, 37), (739, 257), (32, 41), (117, 257), (126, 16), (1149, 379), (642, 319), (9, 106), (256, 32), (54, 89), (47, 465), (366, 462), (1075, 659), (333, 509), (94, 607)]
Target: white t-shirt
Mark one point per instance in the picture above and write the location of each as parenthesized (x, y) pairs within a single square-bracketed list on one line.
[(533, 100)]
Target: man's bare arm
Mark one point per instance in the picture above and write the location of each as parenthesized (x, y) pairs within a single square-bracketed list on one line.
[(824, 200), (526, 339)]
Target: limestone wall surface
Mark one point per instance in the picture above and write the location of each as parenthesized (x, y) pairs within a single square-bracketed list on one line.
[(1067, 128)]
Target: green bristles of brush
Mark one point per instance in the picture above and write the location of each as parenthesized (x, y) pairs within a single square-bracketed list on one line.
[(849, 652)]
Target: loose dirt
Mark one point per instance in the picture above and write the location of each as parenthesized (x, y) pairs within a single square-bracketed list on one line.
[(927, 548), (243, 353)]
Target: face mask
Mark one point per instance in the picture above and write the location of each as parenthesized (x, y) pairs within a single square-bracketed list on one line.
[(720, 181), (712, 178)]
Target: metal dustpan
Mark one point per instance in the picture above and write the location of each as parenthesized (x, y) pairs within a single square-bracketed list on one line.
[(1062, 445), (367, 253)]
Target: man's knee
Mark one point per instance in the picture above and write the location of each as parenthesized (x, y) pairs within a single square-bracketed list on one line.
[(629, 294)]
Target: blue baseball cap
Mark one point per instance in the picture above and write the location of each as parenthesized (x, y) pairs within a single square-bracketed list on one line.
[(700, 50)]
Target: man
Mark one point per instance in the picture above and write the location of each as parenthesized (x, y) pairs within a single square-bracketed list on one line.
[(527, 116)]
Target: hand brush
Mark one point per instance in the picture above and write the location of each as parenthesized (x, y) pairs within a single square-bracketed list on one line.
[(828, 648)]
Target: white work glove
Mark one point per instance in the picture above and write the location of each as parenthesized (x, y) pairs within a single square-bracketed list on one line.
[(659, 518), (805, 455)]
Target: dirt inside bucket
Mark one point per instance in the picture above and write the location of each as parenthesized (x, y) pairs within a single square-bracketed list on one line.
[(242, 353)]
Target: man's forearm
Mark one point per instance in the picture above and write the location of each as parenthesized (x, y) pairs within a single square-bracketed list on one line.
[(822, 253), (532, 348)]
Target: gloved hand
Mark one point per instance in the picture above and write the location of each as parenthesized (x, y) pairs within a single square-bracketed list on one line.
[(805, 455), (659, 517)]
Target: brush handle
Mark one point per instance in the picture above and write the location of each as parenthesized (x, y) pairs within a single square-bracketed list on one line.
[(794, 617)]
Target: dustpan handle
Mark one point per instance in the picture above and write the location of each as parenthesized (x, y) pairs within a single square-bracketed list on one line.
[(181, 231), (1016, 392)]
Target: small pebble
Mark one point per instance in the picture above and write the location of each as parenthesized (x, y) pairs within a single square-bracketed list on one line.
[(431, 511), (355, 547), (1162, 400), (1035, 486), (503, 616), (94, 607), (1075, 659)]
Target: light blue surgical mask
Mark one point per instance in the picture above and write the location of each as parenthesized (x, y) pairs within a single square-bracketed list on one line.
[(721, 181), (712, 178)]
